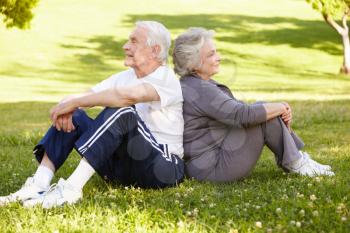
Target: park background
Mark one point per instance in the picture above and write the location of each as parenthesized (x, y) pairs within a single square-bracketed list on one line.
[(271, 50)]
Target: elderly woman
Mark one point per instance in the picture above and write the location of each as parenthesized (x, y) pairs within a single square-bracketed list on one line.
[(224, 137)]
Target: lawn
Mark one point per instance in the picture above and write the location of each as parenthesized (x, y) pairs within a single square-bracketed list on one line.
[(281, 50)]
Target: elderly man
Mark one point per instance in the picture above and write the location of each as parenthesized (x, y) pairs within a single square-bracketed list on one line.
[(135, 140)]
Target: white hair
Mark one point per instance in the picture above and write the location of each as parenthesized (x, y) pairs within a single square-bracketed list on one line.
[(157, 34), (186, 53)]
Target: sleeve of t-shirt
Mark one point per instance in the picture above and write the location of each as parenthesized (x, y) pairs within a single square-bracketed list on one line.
[(213, 102), (168, 90), (105, 84)]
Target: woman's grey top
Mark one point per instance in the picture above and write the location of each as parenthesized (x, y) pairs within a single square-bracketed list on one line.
[(210, 111)]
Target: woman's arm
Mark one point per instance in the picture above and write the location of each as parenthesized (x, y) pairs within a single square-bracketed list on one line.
[(274, 110), (211, 101)]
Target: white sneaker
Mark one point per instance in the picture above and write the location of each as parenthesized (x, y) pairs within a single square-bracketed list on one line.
[(34, 201), (304, 166), (61, 193), (30, 190), (320, 165)]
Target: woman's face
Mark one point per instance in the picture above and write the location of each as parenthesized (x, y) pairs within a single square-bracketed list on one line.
[(210, 60)]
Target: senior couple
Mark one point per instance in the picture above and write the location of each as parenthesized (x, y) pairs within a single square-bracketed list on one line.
[(152, 123)]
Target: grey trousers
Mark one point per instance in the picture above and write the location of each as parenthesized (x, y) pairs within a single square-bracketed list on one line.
[(241, 149)]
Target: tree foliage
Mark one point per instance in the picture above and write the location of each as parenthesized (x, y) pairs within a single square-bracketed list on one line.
[(17, 13), (330, 7)]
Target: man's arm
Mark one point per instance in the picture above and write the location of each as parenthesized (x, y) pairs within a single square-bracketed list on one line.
[(114, 97)]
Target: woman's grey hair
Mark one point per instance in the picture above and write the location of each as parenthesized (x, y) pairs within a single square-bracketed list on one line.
[(186, 54), (157, 34)]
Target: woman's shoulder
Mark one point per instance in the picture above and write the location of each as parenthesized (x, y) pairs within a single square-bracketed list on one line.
[(195, 82), (195, 88)]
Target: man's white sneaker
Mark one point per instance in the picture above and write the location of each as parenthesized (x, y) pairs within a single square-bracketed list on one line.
[(30, 190), (60, 194), (34, 201), (320, 165), (304, 166)]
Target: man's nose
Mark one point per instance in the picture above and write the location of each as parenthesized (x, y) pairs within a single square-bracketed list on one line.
[(126, 46)]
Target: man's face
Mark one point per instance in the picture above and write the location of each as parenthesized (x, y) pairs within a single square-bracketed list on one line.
[(137, 52)]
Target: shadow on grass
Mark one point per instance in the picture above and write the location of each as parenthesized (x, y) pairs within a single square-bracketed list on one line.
[(243, 29), (91, 60), (95, 58)]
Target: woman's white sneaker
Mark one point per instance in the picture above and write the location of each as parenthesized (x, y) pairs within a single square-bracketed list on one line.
[(306, 166), (60, 194), (321, 166)]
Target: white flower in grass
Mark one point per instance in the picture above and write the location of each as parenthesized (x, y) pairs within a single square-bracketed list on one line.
[(343, 218), (313, 197), (185, 195), (177, 202), (340, 207), (212, 205), (278, 210), (302, 212), (292, 222), (315, 213), (298, 224), (310, 204), (180, 224), (188, 213), (177, 195), (300, 195), (269, 230), (257, 207), (318, 179), (202, 200), (258, 224), (233, 231)]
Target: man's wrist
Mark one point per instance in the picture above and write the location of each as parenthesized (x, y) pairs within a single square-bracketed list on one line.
[(75, 103)]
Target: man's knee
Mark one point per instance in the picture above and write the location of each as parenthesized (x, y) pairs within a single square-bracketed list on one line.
[(78, 115), (124, 118)]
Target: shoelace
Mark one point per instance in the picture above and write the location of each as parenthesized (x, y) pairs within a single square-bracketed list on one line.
[(54, 188)]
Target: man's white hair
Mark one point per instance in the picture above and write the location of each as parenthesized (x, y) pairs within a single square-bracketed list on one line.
[(157, 34)]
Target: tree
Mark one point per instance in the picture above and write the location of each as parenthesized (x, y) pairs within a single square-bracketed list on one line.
[(17, 13), (330, 10)]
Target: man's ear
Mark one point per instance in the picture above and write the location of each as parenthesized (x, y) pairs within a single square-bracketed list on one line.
[(155, 50)]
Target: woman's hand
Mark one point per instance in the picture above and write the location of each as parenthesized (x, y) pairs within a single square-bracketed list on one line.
[(287, 115)]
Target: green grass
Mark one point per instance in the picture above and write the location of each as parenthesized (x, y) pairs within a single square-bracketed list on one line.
[(272, 50)]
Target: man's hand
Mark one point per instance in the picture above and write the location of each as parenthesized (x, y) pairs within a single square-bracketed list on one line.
[(61, 115), (65, 123)]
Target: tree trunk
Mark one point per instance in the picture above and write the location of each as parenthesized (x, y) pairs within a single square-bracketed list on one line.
[(345, 69), (343, 31)]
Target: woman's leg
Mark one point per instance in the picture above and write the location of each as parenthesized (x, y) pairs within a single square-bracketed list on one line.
[(234, 160)]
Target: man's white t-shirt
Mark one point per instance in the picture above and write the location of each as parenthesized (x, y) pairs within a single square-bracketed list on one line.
[(163, 118)]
